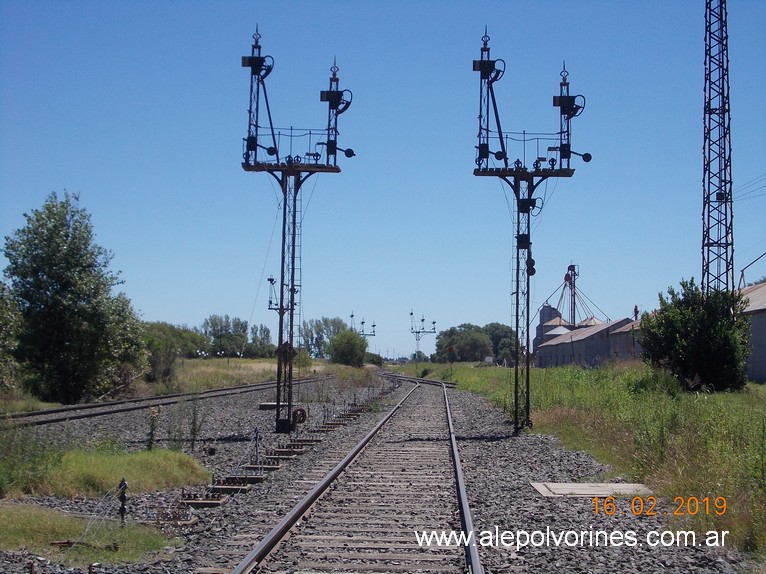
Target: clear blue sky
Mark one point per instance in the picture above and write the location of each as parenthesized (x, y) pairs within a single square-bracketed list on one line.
[(140, 107)]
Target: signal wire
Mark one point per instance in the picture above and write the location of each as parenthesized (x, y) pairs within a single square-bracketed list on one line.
[(266, 257), (746, 190), (99, 514)]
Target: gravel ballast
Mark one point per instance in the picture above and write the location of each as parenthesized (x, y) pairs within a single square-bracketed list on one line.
[(562, 531)]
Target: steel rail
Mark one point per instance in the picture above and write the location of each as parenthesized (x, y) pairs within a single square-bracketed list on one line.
[(400, 377), (70, 412), (472, 559), (275, 536), (257, 554)]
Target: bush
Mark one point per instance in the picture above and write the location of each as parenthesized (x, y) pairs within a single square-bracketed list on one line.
[(702, 339), (348, 348), (25, 460), (302, 359), (373, 359)]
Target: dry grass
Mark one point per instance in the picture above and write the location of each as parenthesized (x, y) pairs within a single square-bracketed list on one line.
[(195, 375)]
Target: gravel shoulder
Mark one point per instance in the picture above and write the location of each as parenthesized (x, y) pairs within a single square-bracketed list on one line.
[(499, 469)]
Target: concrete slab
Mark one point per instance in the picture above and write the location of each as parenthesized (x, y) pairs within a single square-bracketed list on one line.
[(590, 489)]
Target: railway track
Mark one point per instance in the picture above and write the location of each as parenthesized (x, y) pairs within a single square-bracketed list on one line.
[(89, 410), (403, 477)]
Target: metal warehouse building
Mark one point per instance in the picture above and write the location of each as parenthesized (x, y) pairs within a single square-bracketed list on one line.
[(619, 340), (756, 310), (585, 346), (624, 342)]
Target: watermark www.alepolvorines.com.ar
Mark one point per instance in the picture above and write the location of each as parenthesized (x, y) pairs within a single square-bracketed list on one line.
[(590, 538)]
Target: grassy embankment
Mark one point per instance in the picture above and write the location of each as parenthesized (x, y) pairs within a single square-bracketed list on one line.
[(195, 375), (638, 422), (33, 464)]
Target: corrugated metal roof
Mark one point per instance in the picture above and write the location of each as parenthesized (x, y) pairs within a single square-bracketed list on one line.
[(560, 330), (592, 320), (579, 334), (557, 321), (757, 296), (632, 326)]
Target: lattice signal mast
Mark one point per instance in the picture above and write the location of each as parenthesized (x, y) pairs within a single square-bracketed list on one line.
[(419, 331), (361, 330), (263, 153), (523, 182), (717, 204)]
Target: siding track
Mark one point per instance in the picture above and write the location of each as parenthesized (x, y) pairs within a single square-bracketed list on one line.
[(92, 410)]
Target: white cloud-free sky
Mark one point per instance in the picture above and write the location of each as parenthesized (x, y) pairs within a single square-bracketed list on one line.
[(140, 107)]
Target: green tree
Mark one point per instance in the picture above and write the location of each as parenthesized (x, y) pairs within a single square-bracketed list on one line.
[(165, 343), (347, 348), (473, 345), (227, 336), (238, 338), (503, 339), (190, 342), (445, 340), (316, 334), (217, 329), (469, 343), (10, 323), (77, 340), (702, 339), (261, 345)]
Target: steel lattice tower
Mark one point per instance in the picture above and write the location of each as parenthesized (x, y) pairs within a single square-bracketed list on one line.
[(262, 154), (717, 209)]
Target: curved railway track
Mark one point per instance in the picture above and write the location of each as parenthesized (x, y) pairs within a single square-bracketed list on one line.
[(89, 410), (403, 477)]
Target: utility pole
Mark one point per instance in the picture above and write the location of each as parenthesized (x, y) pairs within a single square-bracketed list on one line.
[(717, 203), (492, 161), (262, 153)]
